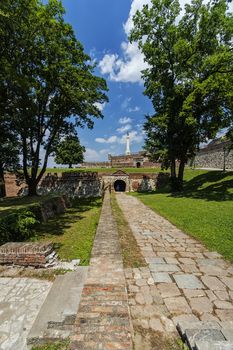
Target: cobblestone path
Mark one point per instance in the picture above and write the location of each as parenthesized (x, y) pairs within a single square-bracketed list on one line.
[(183, 280), (103, 320), (20, 302)]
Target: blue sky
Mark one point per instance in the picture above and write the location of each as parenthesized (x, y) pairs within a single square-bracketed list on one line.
[(102, 27)]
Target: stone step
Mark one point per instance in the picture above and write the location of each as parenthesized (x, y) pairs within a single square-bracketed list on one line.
[(209, 335), (214, 345), (58, 313)]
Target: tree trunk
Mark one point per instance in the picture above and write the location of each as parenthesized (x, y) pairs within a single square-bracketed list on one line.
[(181, 174), (32, 186), (173, 175), (70, 166), (2, 183)]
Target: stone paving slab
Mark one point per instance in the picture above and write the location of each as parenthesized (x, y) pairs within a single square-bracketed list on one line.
[(20, 302), (185, 280), (103, 319)]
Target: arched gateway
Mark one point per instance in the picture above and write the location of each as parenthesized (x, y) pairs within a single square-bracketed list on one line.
[(119, 186)]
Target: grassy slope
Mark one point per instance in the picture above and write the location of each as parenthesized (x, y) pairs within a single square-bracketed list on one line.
[(204, 209), (73, 233), (105, 170), (14, 203)]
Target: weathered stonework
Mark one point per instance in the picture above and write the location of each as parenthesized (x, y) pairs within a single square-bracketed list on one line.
[(214, 156), (26, 254), (90, 184)]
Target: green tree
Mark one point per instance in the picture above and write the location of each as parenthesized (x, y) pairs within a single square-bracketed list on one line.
[(47, 82), (70, 151), (190, 65), (9, 152)]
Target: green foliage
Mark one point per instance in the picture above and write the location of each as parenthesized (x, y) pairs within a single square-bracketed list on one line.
[(17, 226), (61, 345), (47, 85), (189, 76), (69, 151)]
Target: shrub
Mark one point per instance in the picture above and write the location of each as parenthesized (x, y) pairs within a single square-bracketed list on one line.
[(17, 226)]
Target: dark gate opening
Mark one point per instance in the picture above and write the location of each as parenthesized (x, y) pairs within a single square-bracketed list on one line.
[(119, 186), (138, 165)]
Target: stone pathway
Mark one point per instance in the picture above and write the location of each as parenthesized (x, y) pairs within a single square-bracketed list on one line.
[(103, 320), (20, 302), (183, 282)]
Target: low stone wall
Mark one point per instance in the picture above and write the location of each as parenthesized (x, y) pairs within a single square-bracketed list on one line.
[(88, 184), (26, 254), (214, 159), (73, 184), (137, 182)]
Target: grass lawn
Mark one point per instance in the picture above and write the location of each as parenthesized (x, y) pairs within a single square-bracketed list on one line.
[(13, 203), (131, 253), (204, 209), (73, 233), (105, 170)]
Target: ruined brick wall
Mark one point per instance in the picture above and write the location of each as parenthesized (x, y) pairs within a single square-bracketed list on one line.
[(26, 254), (13, 187), (73, 184)]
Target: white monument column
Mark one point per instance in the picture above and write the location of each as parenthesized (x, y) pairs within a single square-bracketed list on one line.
[(127, 152)]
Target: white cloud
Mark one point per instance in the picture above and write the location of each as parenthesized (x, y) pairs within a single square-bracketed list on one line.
[(107, 63), (125, 120), (124, 128), (91, 155), (111, 139), (134, 109), (126, 102), (128, 67), (135, 137), (100, 106)]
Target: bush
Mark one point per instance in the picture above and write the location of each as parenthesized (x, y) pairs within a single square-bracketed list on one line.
[(17, 226)]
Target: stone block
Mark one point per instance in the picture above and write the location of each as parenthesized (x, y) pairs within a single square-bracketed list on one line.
[(188, 281), (161, 277), (228, 334), (201, 305), (177, 305), (168, 290), (213, 283), (194, 335), (164, 268), (214, 345)]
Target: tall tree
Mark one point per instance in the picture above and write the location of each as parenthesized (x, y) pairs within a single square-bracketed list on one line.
[(190, 62), (70, 151), (9, 152), (47, 85)]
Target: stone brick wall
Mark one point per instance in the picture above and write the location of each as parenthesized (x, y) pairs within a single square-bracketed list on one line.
[(26, 254), (214, 159), (73, 184), (138, 182), (87, 184)]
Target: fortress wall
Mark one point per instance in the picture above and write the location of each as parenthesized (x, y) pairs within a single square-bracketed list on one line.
[(214, 159)]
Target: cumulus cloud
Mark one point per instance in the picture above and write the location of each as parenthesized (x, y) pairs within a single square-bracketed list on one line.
[(100, 106), (134, 109), (91, 155), (124, 128), (125, 120), (128, 67), (135, 137), (111, 139)]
